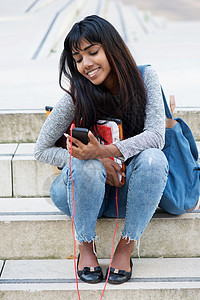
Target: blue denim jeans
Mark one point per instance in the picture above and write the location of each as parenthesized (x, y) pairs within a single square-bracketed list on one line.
[(146, 177)]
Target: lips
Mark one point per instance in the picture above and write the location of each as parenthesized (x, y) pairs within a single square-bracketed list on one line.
[(93, 72)]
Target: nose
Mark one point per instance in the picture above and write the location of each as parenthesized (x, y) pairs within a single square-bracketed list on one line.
[(87, 61)]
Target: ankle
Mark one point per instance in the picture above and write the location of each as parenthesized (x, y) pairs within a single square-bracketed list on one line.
[(87, 256), (125, 245), (87, 248)]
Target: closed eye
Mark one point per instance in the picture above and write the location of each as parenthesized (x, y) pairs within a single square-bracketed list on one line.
[(93, 53), (79, 60)]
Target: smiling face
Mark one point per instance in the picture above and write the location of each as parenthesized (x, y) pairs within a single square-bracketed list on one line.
[(92, 63)]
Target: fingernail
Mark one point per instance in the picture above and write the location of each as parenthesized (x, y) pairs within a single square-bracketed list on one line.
[(123, 174)]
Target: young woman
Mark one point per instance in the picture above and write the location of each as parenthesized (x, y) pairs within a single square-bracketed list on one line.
[(105, 82)]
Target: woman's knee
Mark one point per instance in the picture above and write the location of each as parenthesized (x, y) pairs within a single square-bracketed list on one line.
[(87, 175), (152, 161), (58, 193), (155, 158), (87, 170)]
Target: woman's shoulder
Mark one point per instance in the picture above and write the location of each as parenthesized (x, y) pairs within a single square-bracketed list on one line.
[(64, 104), (63, 111), (150, 77), (65, 101), (147, 72)]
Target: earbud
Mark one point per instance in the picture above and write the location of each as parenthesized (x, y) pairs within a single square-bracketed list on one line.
[(72, 126)]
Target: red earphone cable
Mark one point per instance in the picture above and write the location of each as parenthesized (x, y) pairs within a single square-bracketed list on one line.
[(113, 245), (73, 225), (73, 213)]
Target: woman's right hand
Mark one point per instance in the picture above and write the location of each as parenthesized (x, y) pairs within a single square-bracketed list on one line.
[(112, 170)]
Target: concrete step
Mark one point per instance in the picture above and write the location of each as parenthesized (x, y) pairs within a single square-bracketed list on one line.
[(6, 156), (33, 228), (21, 126), (161, 278), (24, 126), (30, 177), (22, 175)]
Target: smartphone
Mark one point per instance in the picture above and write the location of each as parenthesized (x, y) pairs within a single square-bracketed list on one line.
[(81, 134)]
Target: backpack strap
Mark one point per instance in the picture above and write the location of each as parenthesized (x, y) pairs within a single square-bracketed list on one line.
[(168, 114)]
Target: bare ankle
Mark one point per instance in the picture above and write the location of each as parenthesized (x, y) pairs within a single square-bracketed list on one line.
[(125, 245), (85, 246), (87, 255)]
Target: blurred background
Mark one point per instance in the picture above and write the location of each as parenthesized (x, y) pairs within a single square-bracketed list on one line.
[(165, 34)]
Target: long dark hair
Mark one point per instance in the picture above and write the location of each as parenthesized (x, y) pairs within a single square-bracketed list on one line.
[(93, 102)]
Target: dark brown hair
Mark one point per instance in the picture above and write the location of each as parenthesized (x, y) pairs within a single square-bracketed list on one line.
[(95, 101)]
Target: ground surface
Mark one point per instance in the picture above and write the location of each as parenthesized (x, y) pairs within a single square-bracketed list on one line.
[(174, 10), (27, 83)]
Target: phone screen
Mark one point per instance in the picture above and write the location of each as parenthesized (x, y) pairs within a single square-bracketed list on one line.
[(81, 134)]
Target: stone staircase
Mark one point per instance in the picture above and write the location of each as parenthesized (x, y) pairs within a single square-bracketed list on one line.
[(37, 244), (156, 278), (33, 228), (36, 241)]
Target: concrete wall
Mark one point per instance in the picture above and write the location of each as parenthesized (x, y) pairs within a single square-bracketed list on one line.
[(24, 127)]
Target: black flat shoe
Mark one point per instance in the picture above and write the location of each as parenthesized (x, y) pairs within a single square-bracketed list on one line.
[(119, 276), (90, 274)]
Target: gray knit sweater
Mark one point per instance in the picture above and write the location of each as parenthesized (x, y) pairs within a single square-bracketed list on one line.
[(63, 113)]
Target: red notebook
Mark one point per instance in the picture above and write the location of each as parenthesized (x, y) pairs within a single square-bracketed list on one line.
[(111, 131)]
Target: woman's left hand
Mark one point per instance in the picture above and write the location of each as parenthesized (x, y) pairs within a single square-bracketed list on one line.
[(90, 151)]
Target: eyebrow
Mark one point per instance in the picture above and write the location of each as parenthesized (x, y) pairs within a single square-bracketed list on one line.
[(86, 48)]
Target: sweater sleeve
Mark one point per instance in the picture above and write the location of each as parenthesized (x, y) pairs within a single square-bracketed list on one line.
[(153, 135), (55, 125)]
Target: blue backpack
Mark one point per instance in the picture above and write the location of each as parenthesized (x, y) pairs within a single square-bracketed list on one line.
[(182, 190)]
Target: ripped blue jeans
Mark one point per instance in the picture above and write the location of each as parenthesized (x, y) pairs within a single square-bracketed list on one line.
[(146, 177)]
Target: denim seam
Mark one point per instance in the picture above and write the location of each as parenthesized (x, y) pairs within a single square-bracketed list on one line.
[(125, 236)]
